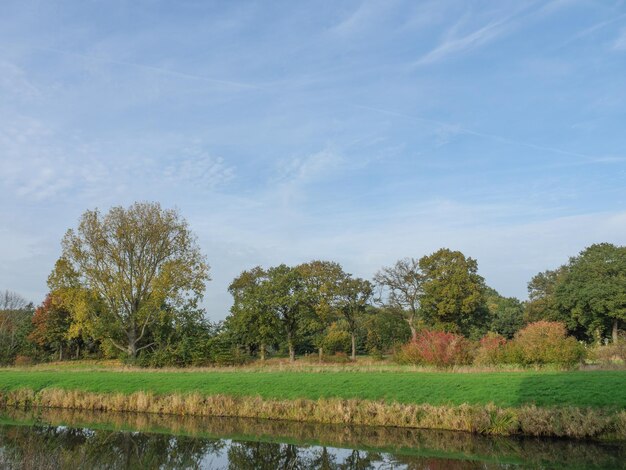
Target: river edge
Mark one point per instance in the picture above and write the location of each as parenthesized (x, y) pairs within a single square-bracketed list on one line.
[(526, 420), (413, 443)]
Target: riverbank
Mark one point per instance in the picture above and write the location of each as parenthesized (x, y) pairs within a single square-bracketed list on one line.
[(404, 443), (578, 404)]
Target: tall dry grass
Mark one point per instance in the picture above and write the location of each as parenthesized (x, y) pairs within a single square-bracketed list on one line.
[(581, 423)]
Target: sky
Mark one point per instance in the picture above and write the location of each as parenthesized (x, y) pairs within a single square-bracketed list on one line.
[(355, 131)]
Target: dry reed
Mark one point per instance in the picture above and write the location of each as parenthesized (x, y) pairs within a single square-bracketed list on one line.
[(573, 422)]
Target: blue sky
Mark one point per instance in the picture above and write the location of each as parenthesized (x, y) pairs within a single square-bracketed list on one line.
[(357, 131)]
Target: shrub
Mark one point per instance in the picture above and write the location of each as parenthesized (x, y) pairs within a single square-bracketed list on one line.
[(22, 360), (336, 340), (545, 342), (491, 349), (611, 354), (436, 348)]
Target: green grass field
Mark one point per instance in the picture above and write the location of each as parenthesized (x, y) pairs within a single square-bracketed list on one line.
[(576, 388)]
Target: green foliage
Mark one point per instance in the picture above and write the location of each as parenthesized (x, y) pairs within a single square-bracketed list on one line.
[(611, 354), (180, 338), (401, 285), (506, 314), (545, 342), (51, 323), (542, 304), (252, 322), (385, 329), (15, 326), (353, 295), (453, 293), (594, 290), (135, 261), (336, 339)]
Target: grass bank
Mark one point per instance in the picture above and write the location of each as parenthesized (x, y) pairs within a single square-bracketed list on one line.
[(580, 404)]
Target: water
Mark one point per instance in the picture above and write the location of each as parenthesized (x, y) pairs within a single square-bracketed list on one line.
[(53, 439)]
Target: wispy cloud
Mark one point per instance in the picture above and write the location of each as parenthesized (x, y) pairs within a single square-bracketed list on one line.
[(450, 129), (15, 83), (197, 167), (620, 42), (472, 40), (160, 70), (455, 43)]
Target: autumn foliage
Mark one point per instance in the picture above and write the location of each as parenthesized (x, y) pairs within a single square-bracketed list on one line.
[(437, 348)]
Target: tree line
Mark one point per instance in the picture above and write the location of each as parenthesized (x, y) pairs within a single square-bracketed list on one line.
[(129, 284)]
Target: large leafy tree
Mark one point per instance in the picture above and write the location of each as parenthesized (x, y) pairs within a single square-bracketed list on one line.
[(15, 325), (506, 314), (321, 281), (401, 289), (453, 292), (353, 296), (594, 289), (51, 324), (136, 261), (542, 304), (252, 321), (288, 299)]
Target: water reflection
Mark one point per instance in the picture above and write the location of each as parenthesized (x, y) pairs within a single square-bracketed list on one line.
[(55, 439)]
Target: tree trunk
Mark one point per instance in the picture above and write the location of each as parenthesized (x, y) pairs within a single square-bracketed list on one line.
[(413, 331), (615, 330), (132, 344), (353, 347), (320, 351), (60, 352), (262, 351), (292, 352)]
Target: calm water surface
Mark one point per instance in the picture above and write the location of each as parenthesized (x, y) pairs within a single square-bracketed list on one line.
[(54, 439)]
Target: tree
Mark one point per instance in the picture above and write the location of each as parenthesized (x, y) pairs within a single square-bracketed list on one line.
[(136, 261), (252, 320), (453, 293), (289, 301), (51, 323), (401, 287), (353, 295), (384, 329), (15, 325), (321, 280), (506, 313), (594, 289), (542, 303)]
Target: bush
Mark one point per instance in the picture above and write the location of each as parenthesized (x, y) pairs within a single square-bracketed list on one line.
[(336, 340), (491, 349), (22, 360), (611, 354), (436, 348), (545, 342)]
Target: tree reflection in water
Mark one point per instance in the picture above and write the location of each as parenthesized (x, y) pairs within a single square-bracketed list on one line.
[(241, 444)]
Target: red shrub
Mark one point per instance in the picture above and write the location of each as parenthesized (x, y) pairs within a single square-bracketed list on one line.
[(490, 350), (436, 348)]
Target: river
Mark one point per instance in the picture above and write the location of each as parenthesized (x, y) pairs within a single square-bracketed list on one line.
[(58, 439)]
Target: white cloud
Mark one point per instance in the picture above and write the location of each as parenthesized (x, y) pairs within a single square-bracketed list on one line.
[(474, 39), (200, 169)]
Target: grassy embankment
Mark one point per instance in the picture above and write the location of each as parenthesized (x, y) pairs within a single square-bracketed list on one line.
[(576, 404)]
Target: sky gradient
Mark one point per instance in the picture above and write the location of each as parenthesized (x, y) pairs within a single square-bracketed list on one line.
[(355, 131)]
